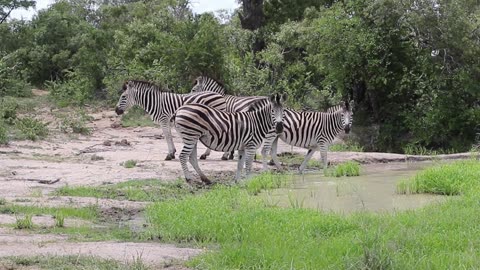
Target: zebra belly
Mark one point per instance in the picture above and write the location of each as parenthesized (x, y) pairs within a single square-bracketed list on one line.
[(299, 141), (222, 144)]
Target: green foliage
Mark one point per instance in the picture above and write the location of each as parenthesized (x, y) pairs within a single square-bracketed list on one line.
[(11, 80), (346, 147), (3, 201), (24, 223), (8, 110), (3, 133), (31, 128), (59, 220), (76, 89), (136, 117), (87, 213), (349, 168), (74, 123), (447, 179)]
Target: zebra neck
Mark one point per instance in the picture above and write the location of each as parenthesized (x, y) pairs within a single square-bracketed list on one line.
[(262, 120), (336, 121)]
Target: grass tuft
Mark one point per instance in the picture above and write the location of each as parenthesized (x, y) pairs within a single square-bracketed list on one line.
[(265, 181), (349, 168), (447, 179), (31, 129), (24, 223), (136, 117), (130, 164)]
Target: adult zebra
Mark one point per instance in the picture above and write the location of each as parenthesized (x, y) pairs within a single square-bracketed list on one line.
[(313, 131), (223, 131), (233, 103), (161, 105)]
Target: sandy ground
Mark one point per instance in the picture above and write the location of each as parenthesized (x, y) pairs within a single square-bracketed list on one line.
[(30, 170)]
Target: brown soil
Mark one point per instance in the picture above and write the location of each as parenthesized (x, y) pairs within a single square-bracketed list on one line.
[(29, 171)]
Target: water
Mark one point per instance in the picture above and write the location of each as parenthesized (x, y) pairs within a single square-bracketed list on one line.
[(374, 190)]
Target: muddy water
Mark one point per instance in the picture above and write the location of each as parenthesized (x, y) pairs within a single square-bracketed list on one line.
[(374, 190)]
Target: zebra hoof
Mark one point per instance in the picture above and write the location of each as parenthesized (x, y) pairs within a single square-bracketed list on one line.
[(203, 156), (230, 157), (205, 180), (224, 158), (271, 162), (170, 157)]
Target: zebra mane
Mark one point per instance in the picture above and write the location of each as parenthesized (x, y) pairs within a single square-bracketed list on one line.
[(258, 104), (213, 79), (334, 108), (145, 85)]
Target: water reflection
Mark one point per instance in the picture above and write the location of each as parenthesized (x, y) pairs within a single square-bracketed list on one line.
[(374, 190)]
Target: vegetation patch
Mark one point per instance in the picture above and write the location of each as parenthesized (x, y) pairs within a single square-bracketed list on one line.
[(67, 262), (31, 128), (253, 235), (447, 179), (87, 213), (136, 117), (265, 181), (349, 168), (349, 146), (24, 222), (129, 164), (133, 190), (295, 160), (74, 122)]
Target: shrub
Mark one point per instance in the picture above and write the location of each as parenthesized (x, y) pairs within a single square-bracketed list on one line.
[(75, 90), (130, 164), (31, 129), (74, 123), (3, 133), (24, 223), (8, 110)]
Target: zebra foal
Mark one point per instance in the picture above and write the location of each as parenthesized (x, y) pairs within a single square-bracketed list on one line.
[(161, 105), (313, 131), (223, 131)]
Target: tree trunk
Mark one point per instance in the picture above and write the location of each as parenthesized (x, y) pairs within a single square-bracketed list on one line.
[(253, 18)]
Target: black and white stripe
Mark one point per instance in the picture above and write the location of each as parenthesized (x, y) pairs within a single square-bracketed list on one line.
[(313, 131), (161, 105), (223, 131), (233, 103)]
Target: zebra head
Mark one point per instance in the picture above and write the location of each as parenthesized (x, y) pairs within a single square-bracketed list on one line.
[(347, 116), (204, 83), (276, 101), (127, 99)]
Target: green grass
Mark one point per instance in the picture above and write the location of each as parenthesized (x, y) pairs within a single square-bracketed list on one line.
[(265, 181), (67, 262), (74, 122), (133, 190), (24, 222), (130, 164), (447, 179), (3, 201), (413, 149), (248, 234), (349, 168), (87, 213), (136, 117), (346, 147)]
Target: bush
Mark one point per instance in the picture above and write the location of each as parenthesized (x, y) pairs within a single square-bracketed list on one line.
[(3, 133), (31, 129), (130, 164), (75, 90), (75, 123), (8, 110), (11, 84)]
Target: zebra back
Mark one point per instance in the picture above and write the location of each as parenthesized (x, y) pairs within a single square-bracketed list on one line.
[(204, 83)]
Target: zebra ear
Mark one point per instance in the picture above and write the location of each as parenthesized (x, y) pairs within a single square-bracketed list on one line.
[(284, 97), (352, 105), (131, 84), (347, 105), (273, 98)]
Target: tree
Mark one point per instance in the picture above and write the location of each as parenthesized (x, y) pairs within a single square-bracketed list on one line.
[(7, 6)]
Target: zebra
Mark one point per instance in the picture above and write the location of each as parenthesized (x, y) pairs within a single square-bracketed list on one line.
[(233, 103), (161, 105), (313, 131), (224, 131)]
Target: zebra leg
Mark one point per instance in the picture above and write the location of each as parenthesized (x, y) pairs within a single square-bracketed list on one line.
[(273, 153), (206, 154), (323, 154), (225, 156), (231, 155), (184, 156), (194, 162), (308, 156), (249, 154), (241, 162), (168, 136), (267, 146)]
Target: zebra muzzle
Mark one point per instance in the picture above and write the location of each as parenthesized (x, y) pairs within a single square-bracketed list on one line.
[(119, 111), (279, 128)]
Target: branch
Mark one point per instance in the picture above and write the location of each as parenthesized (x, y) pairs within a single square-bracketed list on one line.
[(6, 15)]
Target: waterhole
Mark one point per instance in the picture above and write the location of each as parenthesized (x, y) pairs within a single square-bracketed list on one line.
[(374, 190)]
